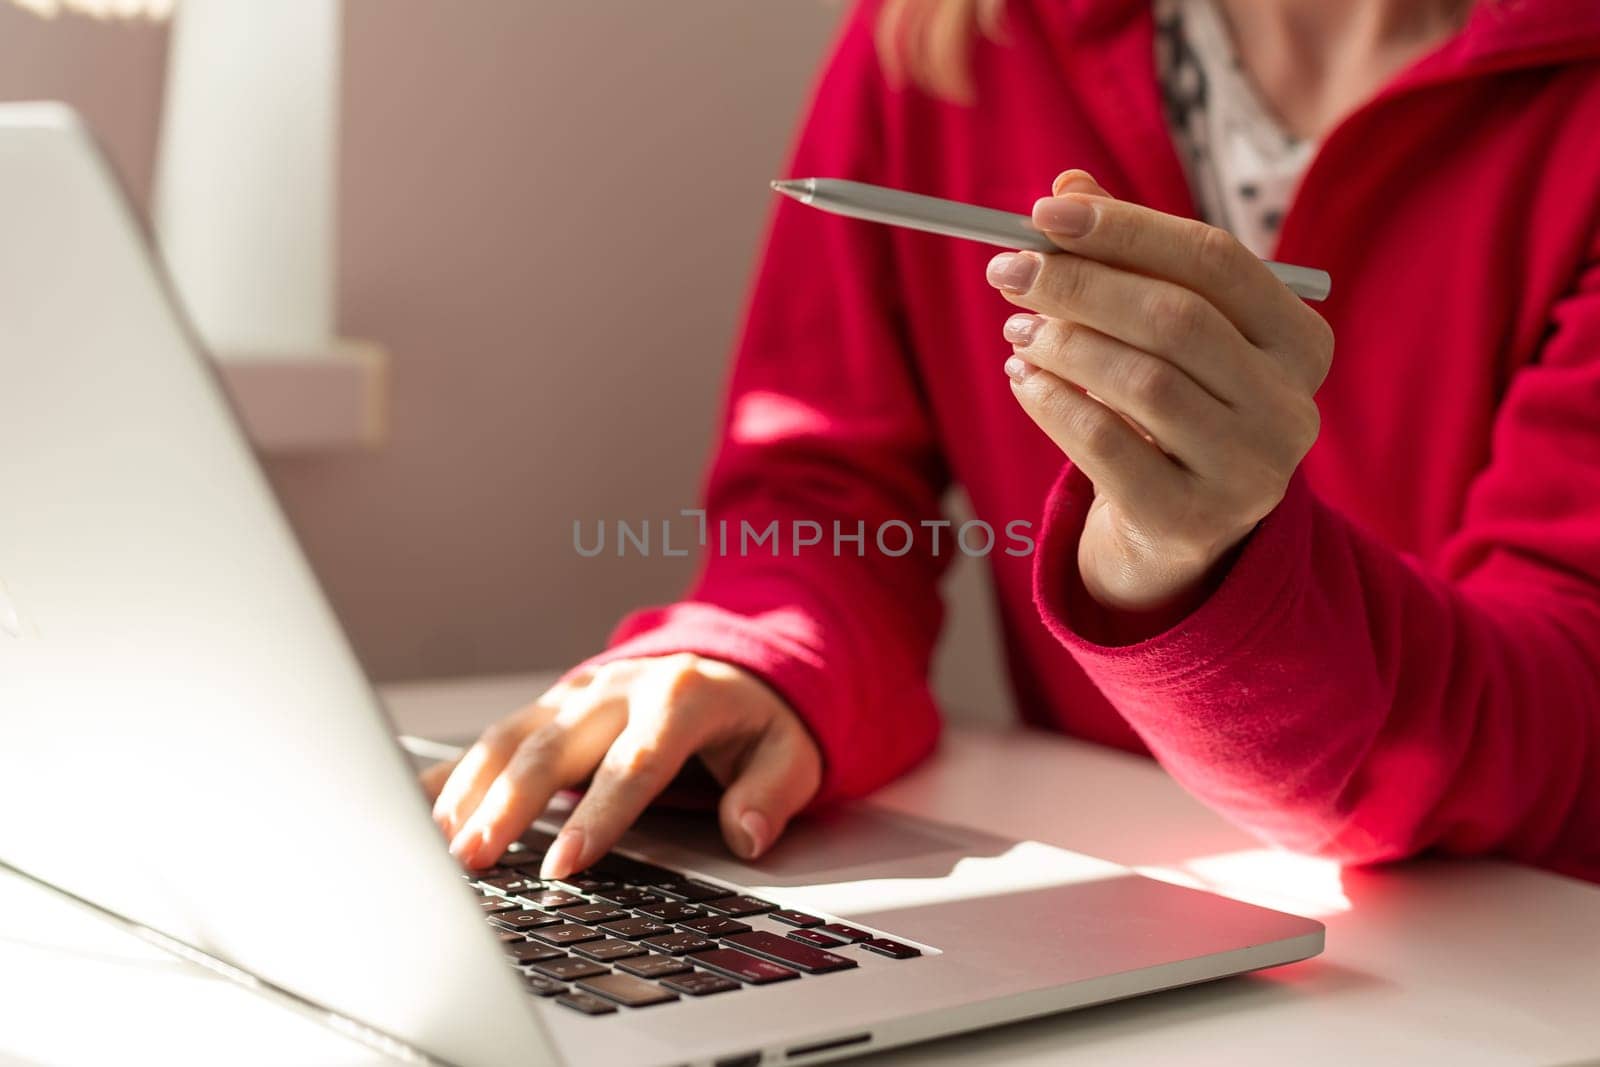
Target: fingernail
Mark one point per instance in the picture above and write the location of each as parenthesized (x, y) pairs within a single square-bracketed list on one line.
[(1064, 215), (1019, 329), (756, 831), (465, 846), (1014, 271), (1075, 180), (1019, 369), (563, 857)]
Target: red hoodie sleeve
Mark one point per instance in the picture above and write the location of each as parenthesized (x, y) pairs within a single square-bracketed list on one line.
[(1338, 697), (825, 424)]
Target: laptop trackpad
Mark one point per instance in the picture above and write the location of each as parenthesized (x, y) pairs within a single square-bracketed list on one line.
[(867, 859), (856, 840)]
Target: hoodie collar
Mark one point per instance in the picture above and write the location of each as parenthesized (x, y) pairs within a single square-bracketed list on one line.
[(1498, 35), (1504, 34)]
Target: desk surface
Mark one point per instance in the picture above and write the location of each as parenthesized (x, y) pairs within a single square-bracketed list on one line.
[(1446, 962)]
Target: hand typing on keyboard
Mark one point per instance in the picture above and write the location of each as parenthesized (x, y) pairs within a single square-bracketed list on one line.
[(631, 725)]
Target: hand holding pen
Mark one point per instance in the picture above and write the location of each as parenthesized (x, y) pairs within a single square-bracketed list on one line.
[(1173, 367)]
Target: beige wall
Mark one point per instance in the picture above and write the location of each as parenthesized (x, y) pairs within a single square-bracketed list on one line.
[(548, 212), (109, 70)]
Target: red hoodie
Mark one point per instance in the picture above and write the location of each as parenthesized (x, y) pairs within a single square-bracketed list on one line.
[(1406, 654)]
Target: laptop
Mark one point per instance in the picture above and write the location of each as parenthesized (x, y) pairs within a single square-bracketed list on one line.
[(189, 747)]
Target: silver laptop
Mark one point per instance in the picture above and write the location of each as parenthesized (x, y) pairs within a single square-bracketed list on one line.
[(188, 746)]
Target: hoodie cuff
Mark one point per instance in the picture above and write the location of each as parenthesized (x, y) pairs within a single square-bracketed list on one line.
[(1251, 594)]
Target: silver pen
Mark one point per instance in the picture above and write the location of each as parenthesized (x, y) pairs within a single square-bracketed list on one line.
[(951, 218)]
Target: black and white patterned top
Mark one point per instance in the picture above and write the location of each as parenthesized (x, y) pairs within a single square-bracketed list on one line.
[(1243, 166)]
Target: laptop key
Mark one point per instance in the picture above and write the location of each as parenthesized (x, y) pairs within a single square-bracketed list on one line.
[(592, 914), (570, 969), (791, 917), (487, 873), (740, 906), (511, 885), (893, 949), (523, 920), (531, 952), (634, 929), (804, 957), (653, 965), (541, 986), (627, 990), (564, 934), (715, 926), (627, 897), (849, 933), (607, 949), (672, 911), (694, 891), (525, 857), (586, 884), (816, 938), (679, 944), (552, 898), (587, 1003), (699, 983), (536, 841), (490, 905), (743, 966), (631, 871)]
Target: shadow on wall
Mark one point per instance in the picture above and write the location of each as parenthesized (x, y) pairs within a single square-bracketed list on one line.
[(548, 215)]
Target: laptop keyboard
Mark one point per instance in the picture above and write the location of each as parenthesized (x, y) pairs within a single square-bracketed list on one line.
[(626, 934)]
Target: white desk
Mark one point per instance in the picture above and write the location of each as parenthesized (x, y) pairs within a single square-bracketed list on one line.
[(1434, 962)]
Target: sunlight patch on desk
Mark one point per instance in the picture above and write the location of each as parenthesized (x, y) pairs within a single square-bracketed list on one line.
[(1025, 866), (1285, 881)]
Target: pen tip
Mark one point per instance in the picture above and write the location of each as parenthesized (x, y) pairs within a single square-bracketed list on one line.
[(799, 189)]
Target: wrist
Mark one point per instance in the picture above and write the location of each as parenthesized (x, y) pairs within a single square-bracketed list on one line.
[(1148, 604)]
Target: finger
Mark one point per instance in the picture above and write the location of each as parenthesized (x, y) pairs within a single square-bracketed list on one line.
[(1122, 465), (675, 702), (889, 33), (945, 62), (483, 761), (1150, 314), (475, 771), (992, 20), (434, 777), (778, 778), (1189, 253), (1187, 422), (638, 766), (557, 755), (1076, 181)]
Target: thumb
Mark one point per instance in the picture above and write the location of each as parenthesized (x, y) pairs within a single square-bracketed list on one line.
[(1076, 181), (779, 778)]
